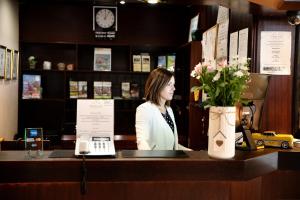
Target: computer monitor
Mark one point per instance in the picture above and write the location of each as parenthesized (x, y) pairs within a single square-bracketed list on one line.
[(34, 133), (255, 94), (249, 116)]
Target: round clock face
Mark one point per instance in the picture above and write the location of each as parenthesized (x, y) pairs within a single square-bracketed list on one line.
[(105, 18)]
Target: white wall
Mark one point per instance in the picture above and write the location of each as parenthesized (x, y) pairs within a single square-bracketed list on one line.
[(9, 37)]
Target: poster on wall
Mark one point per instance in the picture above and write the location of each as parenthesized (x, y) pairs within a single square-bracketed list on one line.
[(8, 64), (209, 44), (243, 45), (15, 65), (2, 61), (233, 46), (222, 40), (223, 14), (275, 52)]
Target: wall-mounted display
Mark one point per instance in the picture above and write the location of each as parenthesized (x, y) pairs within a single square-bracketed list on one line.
[(15, 66), (8, 62), (2, 61), (275, 52), (105, 22)]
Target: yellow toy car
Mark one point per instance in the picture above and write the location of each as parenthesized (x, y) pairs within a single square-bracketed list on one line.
[(270, 138)]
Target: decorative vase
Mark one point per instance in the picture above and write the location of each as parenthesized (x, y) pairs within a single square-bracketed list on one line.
[(47, 65), (221, 132)]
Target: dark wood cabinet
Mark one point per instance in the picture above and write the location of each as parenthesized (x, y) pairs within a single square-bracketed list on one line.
[(55, 111), (62, 32), (194, 119)]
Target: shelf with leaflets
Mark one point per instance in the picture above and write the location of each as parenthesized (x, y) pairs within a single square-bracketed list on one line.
[(57, 85)]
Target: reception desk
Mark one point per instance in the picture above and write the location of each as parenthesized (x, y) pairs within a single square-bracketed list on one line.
[(262, 174)]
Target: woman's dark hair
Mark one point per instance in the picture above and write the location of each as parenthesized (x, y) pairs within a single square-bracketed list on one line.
[(156, 81)]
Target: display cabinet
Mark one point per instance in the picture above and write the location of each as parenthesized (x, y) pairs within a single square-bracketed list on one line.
[(62, 32), (55, 110)]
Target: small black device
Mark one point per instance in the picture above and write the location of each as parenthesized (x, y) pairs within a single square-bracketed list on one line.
[(33, 138)]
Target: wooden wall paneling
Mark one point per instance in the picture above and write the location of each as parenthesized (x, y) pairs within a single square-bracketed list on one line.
[(246, 190), (197, 127), (296, 92), (181, 190), (182, 92), (278, 4), (281, 184), (46, 22), (73, 22), (277, 114), (277, 111)]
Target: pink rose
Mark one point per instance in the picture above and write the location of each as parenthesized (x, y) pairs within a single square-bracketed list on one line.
[(222, 64), (210, 68), (198, 68)]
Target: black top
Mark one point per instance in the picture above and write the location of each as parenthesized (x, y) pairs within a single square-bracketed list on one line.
[(168, 120)]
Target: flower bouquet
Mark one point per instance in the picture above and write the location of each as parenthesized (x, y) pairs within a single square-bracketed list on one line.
[(223, 84)]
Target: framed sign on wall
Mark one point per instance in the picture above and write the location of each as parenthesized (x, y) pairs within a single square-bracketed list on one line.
[(105, 23), (2, 61)]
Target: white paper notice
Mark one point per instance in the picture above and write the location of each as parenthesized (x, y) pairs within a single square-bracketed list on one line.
[(204, 49), (233, 46), (223, 14), (222, 40), (193, 26), (243, 45), (95, 117), (211, 36), (275, 52)]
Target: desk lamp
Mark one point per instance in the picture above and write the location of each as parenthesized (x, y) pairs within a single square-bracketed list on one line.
[(249, 114)]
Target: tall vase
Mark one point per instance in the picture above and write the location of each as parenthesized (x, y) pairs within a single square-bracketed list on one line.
[(221, 132)]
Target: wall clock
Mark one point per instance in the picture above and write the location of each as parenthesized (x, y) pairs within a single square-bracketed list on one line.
[(105, 22)]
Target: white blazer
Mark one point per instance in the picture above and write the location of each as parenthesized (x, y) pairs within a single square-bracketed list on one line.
[(152, 130)]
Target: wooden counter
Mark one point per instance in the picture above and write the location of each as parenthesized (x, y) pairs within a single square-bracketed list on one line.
[(247, 176)]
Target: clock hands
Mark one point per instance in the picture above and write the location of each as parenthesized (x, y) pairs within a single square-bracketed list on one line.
[(105, 14)]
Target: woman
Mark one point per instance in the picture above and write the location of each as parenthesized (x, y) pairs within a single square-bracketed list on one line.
[(155, 123)]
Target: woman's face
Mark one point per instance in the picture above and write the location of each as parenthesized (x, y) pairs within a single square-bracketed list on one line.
[(168, 91)]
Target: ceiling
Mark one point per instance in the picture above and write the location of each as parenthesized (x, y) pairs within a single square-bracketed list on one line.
[(243, 5), (279, 4), (272, 4)]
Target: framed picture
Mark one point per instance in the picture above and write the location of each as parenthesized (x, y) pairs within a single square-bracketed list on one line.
[(2, 61), (15, 65), (8, 62)]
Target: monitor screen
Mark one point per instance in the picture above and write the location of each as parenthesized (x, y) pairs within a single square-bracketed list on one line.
[(257, 87), (34, 132), (256, 93)]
